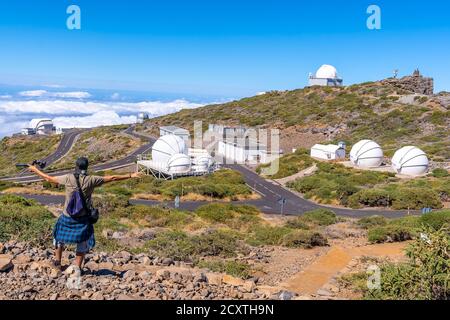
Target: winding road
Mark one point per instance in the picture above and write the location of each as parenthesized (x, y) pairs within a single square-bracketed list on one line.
[(270, 191)]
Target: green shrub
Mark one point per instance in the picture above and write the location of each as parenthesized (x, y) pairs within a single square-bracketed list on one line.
[(107, 204), (216, 243), (24, 220), (234, 268), (173, 244), (297, 223), (216, 212), (426, 276), (235, 216), (395, 233), (370, 222), (436, 220), (370, 198), (304, 239), (321, 217), (267, 235), (440, 173), (182, 247), (416, 199)]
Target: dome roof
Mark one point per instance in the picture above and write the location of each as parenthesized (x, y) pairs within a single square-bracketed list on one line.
[(166, 146), (326, 72), (36, 123), (179, 163), (410, 161), (366, 154)]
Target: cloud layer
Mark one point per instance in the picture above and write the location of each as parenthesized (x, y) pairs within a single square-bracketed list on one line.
[(45, 93), (71, 114)]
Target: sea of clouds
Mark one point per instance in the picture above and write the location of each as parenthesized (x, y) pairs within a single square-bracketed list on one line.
[(76, 109)]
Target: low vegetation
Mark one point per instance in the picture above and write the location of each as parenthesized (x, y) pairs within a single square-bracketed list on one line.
[(213, 231), (425, 276), (24, 220), (290, 164), (381, 230), (372, 109), (24, 150), (100, 145), (224, 184), (338, 185)]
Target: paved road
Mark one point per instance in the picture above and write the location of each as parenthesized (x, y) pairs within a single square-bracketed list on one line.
[(271, 192), (63, 148), (130, 159)]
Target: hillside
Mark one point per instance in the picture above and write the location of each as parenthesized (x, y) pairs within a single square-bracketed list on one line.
[(24, 150), (375, 110), (220, 251)]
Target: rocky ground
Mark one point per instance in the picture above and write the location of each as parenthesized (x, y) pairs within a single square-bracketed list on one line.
[(27, 273), (278, 273)]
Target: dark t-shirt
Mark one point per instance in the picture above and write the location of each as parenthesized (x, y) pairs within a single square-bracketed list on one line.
[(87, 183)]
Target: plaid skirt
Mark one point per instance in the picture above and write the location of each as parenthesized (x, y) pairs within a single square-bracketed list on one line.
[(70, 230)]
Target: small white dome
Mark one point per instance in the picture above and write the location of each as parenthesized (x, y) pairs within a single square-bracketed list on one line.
[(38, 123), (326, 72), (179, 163), (203, 162), (366, 154), (410, 161), (166, 146)]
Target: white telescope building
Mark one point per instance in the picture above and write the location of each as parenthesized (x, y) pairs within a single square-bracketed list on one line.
[(326, 76)]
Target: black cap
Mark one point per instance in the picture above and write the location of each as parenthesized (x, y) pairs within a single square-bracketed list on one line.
[(82, 164)]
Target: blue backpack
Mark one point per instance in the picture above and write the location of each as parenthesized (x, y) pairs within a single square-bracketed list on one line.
[(77, 202)]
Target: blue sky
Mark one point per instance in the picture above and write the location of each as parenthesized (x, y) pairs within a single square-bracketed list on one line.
[(218, 48)]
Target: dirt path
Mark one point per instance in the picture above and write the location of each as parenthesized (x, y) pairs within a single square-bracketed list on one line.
[(316, 275)]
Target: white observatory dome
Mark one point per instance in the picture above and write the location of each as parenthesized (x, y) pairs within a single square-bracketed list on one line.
[(166, 146), (179, 163), (203, 162), (366, 154), (326, 72), (410, 161)]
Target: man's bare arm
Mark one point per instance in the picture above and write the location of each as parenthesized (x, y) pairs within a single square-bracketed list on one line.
[(107, 179), (43, 175)]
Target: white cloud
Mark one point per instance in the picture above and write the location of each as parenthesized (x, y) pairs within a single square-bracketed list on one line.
[(75, 95), (115, 96), (69, 114), (8, 126), (60, 107), (33, 93), (102, 118), (45, 93), (6, 96), (57, 86)]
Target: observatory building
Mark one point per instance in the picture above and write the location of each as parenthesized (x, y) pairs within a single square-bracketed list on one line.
[(326, 76), (142, 117), (366, 154), (176, 131), (410, 161), (170, 159), (329, 151), (40, 127)]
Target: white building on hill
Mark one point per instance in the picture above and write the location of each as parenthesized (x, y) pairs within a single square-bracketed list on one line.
[(40, 127), (328, 152), (176, 131), (326, 76)]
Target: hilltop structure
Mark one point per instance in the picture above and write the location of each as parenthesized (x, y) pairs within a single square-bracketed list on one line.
[(326, 76), (415, 83), (39, 127)]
